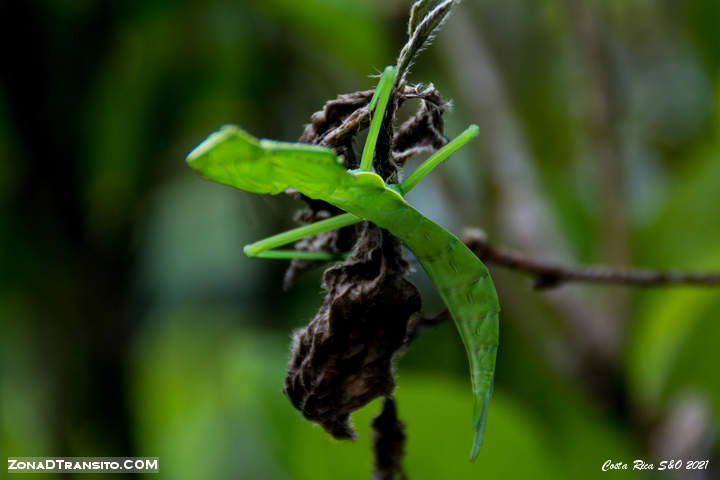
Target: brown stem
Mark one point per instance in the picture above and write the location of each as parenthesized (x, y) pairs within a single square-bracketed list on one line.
[(549, 275)]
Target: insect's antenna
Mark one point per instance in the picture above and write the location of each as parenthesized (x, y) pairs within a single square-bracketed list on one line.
[(378, 104)]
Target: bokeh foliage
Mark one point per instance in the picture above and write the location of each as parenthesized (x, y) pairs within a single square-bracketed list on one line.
[(131, 323)]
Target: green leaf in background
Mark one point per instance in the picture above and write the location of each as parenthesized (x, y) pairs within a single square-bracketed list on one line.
[(666, 322), (207, 389), (351, 31), (673, 322), (434, 417), (191, 244), (117, 264), (205, 394), (24, 386), (695, 368)]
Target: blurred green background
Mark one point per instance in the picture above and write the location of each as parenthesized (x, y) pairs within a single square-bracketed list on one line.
[(132, 324)]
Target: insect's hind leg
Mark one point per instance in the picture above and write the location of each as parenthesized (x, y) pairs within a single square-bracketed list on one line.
[(263, 248), (438, 157)]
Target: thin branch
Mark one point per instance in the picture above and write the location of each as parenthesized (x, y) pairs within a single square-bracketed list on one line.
[(549, 275), (418, 323), (388, 443)]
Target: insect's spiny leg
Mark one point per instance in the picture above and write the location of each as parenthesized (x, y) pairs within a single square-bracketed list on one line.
[(256, 249), (438, 157), (378, 104)]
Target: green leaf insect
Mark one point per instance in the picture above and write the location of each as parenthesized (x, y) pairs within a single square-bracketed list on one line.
[(234, 157)]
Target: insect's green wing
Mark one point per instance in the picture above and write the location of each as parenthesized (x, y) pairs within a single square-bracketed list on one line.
[(234, 157), (469, 293)]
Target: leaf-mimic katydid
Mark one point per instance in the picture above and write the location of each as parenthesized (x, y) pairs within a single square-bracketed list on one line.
[(234, 157)]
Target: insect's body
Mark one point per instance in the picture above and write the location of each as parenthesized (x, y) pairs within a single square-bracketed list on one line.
[(234, 157)]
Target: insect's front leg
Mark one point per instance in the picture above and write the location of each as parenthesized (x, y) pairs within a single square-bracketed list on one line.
[(264, 248), (437, 158), (378, 104)]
